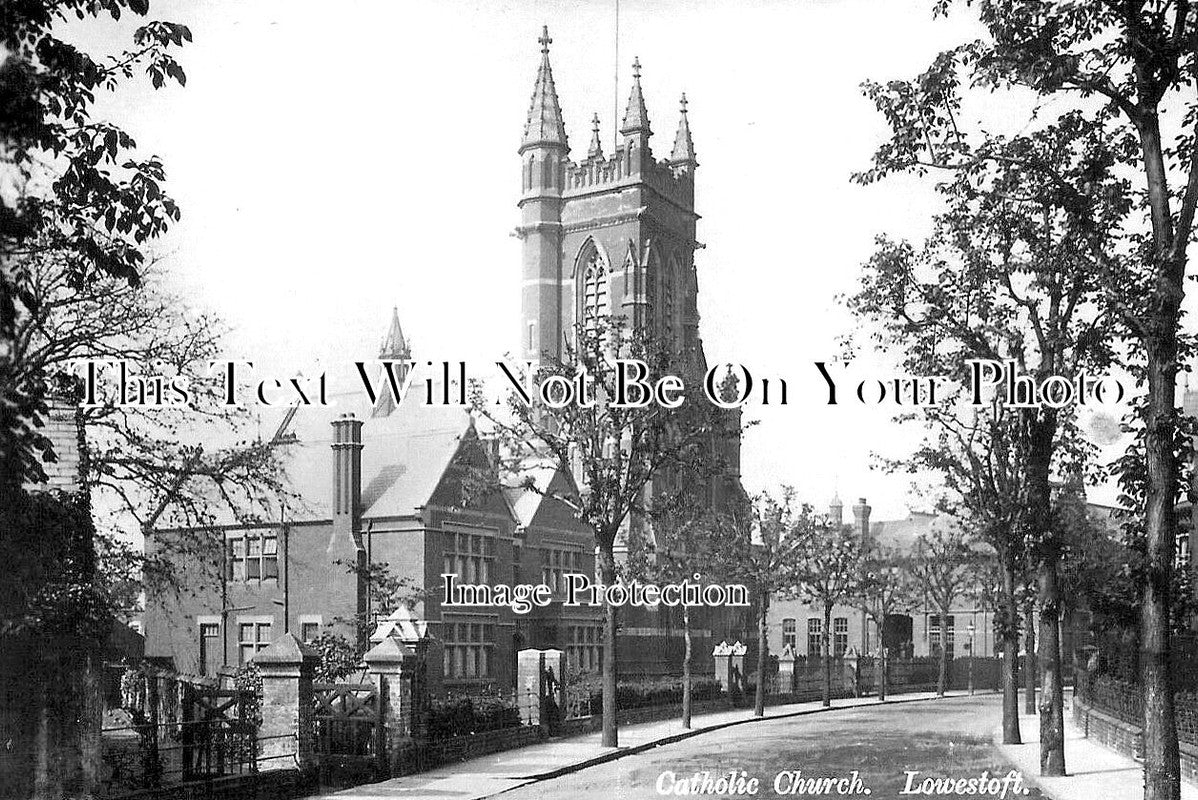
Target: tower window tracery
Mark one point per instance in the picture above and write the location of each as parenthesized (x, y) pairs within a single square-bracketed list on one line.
[(595, 306)]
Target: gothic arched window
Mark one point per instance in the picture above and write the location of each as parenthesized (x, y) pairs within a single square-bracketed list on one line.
[(595, 306), (669, 290)]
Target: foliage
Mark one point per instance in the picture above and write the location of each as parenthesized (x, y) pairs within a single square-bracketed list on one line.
[(944, 565), (385, 592), (50, 591), (885, 584), (826, 565), (248, 680), (648, 692), (466, 714), (81, 194), (339, 657)]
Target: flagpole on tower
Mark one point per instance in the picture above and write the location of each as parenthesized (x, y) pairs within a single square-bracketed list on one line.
[(615, 100)]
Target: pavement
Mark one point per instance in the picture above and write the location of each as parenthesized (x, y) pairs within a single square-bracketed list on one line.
[(500, 772), (1092, 769)]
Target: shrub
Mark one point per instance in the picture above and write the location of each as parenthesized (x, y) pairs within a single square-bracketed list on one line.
[(459, 716)]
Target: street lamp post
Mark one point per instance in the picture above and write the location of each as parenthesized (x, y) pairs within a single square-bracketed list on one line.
[(971, 630)]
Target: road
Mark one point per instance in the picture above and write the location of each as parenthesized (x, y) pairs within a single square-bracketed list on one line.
[(949, 738)]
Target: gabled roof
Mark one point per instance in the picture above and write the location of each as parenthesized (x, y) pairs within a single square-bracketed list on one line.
[(541, 477), (405, 454)]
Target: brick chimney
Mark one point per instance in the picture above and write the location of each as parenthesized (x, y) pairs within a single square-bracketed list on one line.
[(63, 426), (346, 539), (861, 511), (347, 474)]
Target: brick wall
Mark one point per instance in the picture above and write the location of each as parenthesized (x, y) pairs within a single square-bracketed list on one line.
[(1128, 739), (278, 785)]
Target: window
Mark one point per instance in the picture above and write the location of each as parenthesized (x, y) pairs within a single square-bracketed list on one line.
[(934, 634), (469, 650), (668, 312), (309, 629), (252, 638), (840, 635), (582, 647), (790, 633), (253, 556), (1183, 550), (470, 556), (594, 294), (556, 564), (815, 638)]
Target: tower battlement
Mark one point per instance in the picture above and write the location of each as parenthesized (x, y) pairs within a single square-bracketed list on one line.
[(669, 180), (605, 235)]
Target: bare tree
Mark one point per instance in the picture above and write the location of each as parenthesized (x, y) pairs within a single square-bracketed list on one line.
[(943, 564), (615, 450), (885, 586), (826, 564)]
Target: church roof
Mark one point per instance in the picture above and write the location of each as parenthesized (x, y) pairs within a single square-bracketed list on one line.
[(544, 125), (636, 117), (684, 147)]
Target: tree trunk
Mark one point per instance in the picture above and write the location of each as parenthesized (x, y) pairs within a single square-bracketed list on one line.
[(1031, 662), (880, 672), (1052, 691), (1009, 630), (763, 650), (686, 666), (942, 672), (827, 636), (1042, 429), (607, 573), (1162, 767)]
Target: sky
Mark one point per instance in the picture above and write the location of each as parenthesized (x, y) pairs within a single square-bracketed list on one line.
[(335, 160)]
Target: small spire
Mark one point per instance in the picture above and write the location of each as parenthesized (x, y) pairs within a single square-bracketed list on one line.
[(636, 118), (596, 148), (544, 125), (684, 147), (395, 346)]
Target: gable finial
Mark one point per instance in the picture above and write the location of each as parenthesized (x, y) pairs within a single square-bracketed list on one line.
[(636, 68), (545, 40)]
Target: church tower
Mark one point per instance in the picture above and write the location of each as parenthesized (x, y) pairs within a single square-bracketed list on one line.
[(606, 235)]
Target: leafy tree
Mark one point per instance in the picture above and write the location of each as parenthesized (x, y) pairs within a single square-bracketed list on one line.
[(80, 193), (680, 524), (1107, 71), (885, 586), (943, 565), (615, 452), (826, 563), (754, 543)]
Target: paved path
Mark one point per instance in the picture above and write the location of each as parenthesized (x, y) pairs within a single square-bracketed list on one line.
[(500, 772), (871, 748), (1094, 771)]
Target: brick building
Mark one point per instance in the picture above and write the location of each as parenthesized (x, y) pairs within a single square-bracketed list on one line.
[(604, 236), (381, 484), (920, 632)]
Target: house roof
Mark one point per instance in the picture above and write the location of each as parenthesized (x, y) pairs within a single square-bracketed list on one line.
[(534, 483), (404, 453)]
